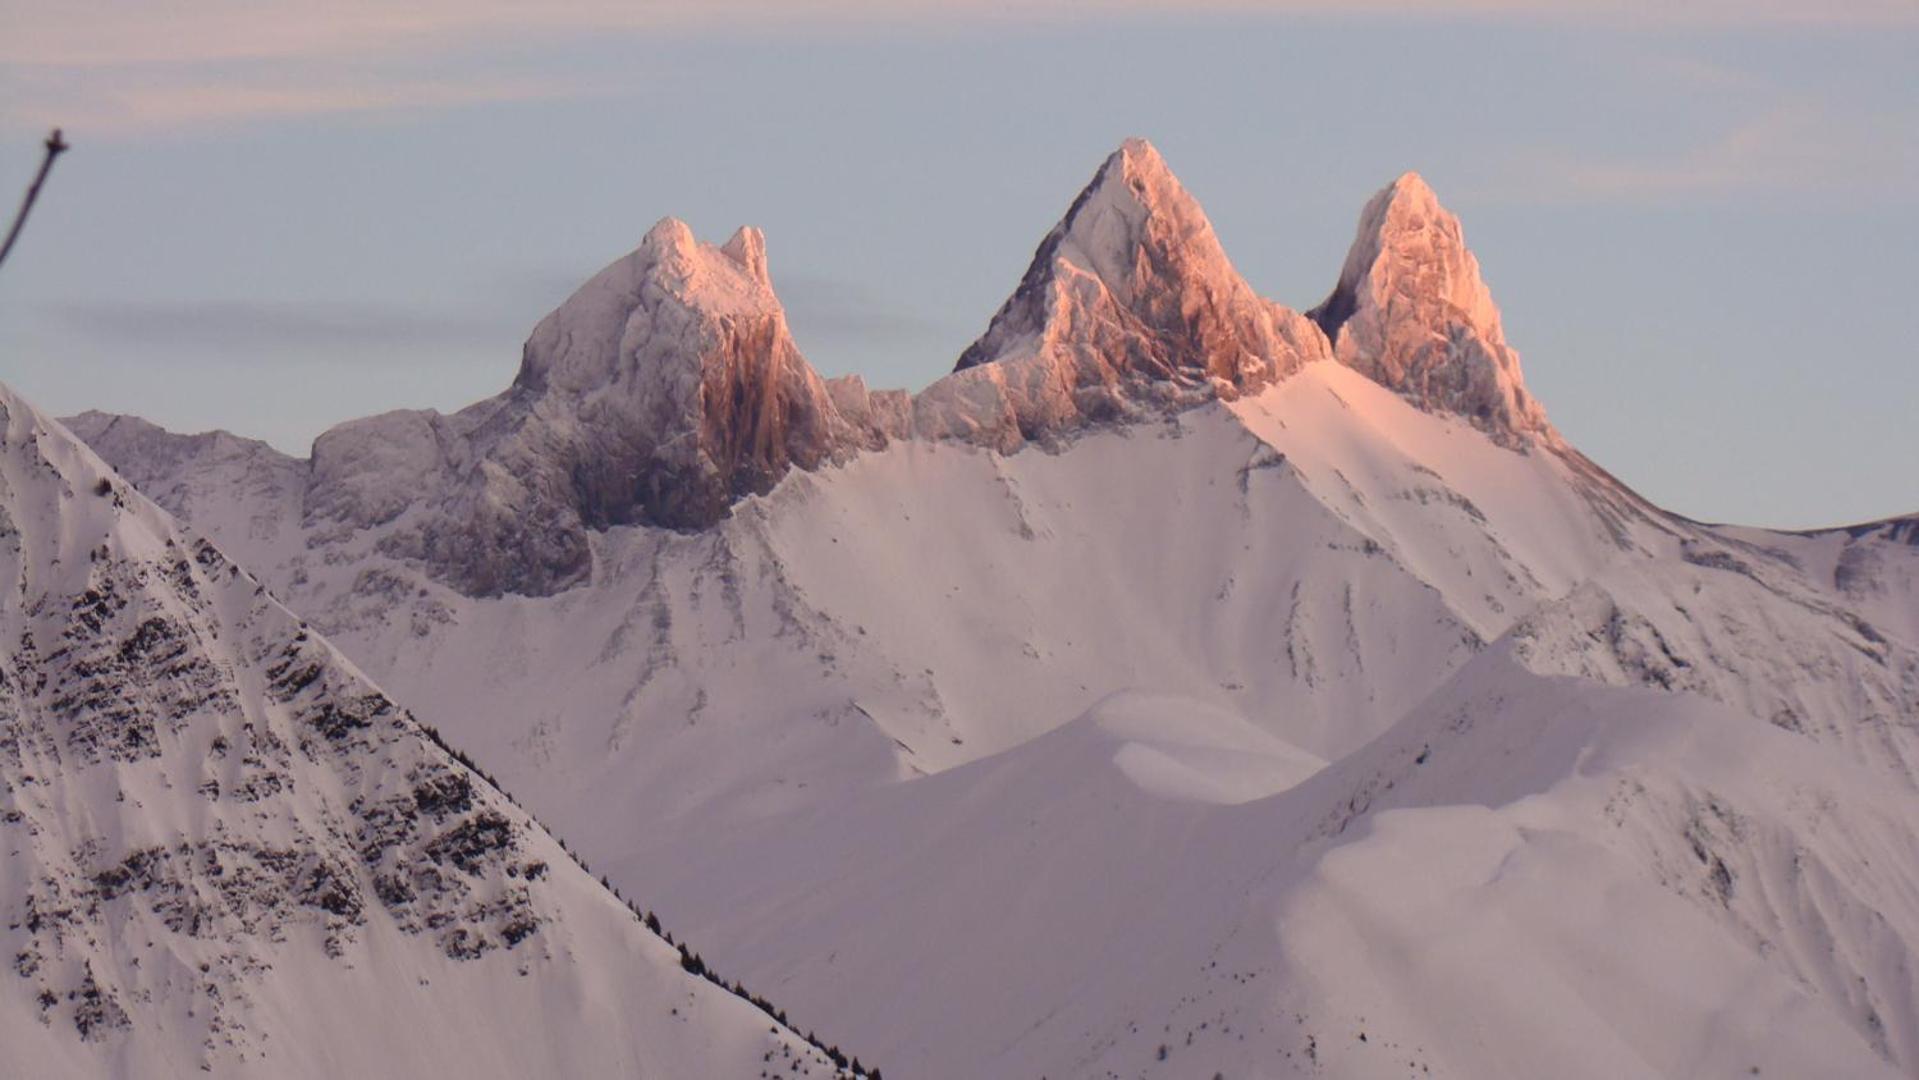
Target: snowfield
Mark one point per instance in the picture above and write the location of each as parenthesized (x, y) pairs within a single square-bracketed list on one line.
[(1183, 687)]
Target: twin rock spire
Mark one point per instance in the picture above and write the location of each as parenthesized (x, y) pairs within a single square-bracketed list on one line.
[(668, 386), (1131, 303)]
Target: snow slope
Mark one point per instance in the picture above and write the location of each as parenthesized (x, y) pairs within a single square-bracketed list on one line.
[(1262, 705), (226, 851), (1526, 877), (1308, 572)]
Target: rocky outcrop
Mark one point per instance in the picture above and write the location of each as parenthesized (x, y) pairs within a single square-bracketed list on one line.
[(668, 386), (879, 416), (1411, 312), (1129, 306)]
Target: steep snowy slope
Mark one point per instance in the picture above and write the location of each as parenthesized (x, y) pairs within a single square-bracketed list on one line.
[(901, 659), (222, 849)]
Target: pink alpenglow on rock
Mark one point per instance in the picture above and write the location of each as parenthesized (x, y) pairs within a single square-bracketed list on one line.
[(1411, 313), (1130, 303)]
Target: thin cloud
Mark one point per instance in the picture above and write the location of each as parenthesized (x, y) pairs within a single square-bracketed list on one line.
[(144, 99), (1797, 149), (134, 65), (264, 331)]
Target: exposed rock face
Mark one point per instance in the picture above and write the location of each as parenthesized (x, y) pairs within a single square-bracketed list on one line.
[(1411, 313), (670, 386), (661, 392), (1130, 303)]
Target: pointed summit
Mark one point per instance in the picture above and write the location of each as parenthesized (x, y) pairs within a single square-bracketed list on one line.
[(1130, 303), (1134, 203), (1411, 312)]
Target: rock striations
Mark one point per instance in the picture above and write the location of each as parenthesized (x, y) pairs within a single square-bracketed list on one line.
[(1411, 313)]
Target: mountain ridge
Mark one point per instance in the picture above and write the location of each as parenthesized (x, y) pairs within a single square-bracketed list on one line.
[(667, 387)]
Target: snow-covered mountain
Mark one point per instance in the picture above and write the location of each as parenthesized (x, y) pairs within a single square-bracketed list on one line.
[(1182, 685), (223, 850)]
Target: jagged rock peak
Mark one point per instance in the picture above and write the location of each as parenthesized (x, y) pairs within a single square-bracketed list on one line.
[(1130, 304), (1103, 233), (1411, 312)]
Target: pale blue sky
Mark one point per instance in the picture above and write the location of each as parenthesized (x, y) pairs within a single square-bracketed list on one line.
[(1699, 230)]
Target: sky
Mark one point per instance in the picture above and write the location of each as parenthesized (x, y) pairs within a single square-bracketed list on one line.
[(1697, 217)]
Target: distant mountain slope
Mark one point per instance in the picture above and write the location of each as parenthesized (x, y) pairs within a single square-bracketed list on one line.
[(222, 849), (1374, 552)]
